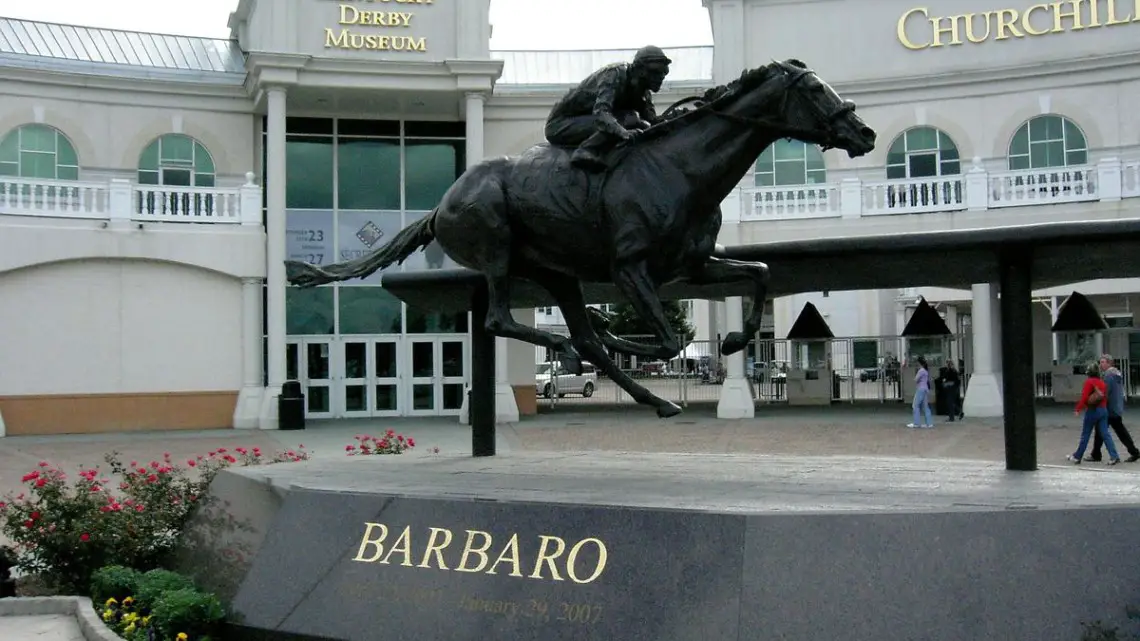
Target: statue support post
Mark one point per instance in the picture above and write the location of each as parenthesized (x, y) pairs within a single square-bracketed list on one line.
[(482, 391), (1016, 265)]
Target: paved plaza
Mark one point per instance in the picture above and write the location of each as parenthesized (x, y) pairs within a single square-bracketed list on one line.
[(877, 431), (829, 450)]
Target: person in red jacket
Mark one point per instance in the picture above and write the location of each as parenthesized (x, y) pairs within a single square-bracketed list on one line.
[(1094, 402)]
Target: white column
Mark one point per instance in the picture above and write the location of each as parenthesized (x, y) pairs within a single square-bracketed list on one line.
[(736, 399), (983, 393), (506, 407), (247, 414), (275, 253)]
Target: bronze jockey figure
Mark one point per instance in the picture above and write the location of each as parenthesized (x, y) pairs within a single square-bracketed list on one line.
[(612, 104)]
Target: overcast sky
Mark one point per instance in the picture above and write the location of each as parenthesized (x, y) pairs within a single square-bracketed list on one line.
[(518, 24)]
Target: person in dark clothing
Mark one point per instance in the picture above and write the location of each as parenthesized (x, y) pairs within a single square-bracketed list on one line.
[(1114, 382), (951, 384), (613, 104)]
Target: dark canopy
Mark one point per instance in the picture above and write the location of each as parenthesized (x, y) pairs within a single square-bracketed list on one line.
[(1078, 314), (809, 326), (925, 321)]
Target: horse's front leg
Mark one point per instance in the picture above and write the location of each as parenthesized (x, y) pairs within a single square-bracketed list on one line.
[(633, 280), (724, 270)]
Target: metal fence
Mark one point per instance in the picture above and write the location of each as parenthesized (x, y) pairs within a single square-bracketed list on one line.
[(866, 369)]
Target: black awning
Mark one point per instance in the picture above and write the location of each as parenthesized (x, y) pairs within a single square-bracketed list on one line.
[(809, 326), (925, 321), (1078, 314)]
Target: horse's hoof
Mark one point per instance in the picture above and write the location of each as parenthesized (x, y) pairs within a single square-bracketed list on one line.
[(667, 410), (734, 342)]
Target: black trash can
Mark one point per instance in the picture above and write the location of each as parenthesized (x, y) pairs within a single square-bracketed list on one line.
[(291, 407)]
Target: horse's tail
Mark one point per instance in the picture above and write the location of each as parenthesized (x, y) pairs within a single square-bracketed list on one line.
[(407, 242)]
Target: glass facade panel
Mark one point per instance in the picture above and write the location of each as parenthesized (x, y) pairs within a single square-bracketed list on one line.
[(308, 172), (1048, 141), (430, 167), (427, 322), (368, 174), (790, 163), (922, 152), (309, 311), (430, 257), (361, 232), (38, 151), (369, 310), (309, 236), (352, 186)]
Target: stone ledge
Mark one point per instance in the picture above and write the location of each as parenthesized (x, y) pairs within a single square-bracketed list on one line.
[(81, 608)]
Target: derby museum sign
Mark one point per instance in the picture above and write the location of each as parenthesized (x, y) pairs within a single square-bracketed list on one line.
[(919, 29), (378, 25)]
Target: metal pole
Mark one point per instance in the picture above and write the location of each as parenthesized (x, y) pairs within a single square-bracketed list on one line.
[(482, 405), (1016, 264)]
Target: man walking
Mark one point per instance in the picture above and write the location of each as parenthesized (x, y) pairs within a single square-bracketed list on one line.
[(1114, 383)]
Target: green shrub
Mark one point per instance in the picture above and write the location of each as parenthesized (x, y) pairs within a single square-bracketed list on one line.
[(186, 610), (114, 582), (154, 584), (64, 529)]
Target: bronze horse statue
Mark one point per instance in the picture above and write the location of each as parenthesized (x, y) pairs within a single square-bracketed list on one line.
[(651, 219)]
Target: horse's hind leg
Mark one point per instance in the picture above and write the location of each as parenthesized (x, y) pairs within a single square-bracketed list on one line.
[(567, 291), (500, 322)]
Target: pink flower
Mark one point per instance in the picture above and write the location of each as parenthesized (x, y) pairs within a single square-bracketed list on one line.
[(349, 448), (192, 463), (85, 537), (411, 442), (30, 476), (41, 482), (43, 463)]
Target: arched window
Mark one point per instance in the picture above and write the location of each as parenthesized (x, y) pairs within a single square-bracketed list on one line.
[(790, 162), (176, 160), (38, 151), (922, 152), (1048, 141)]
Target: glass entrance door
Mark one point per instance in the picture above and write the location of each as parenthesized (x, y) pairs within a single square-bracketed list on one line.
[(316, 377), (438, 374), (369, 382)]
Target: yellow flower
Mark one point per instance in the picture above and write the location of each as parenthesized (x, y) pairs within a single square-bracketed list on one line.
[(111, 601), (182, 636), (108, 615), (131, 617), (146, 620), (129, 629), (129, 600)]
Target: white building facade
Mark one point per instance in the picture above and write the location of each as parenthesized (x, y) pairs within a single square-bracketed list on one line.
[(151, 188), (986, 117)]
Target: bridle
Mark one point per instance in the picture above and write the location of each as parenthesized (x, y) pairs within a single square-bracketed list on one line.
[(793, 77)]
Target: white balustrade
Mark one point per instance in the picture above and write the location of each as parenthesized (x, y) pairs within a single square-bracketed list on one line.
[(801, 201), (974, 190), (1130, 179), (1043, 186), (914, 195), (62, 198), (120, 200)]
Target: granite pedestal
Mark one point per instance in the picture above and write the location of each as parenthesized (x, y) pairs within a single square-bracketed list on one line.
[(663, 547)]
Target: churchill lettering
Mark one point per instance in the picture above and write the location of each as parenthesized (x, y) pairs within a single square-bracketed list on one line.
[(549, 557), (351, 17), (919, 29)]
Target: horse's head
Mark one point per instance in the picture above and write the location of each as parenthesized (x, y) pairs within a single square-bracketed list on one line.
[(814, 113)]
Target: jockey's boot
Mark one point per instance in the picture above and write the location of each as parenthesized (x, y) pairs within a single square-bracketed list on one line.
[(588, 159)]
